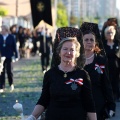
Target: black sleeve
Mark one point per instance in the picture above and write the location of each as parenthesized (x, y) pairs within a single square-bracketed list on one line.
[(107, 89), (14, 47), (45, 95), (87, 94)]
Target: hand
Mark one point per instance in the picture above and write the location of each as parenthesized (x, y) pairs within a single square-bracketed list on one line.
[(31, 117), (111, 113)]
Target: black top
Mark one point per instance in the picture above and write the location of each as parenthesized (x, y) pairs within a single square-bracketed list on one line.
[(9, 50), (101, 86), (22, 39), (113, 56), (61, 101)]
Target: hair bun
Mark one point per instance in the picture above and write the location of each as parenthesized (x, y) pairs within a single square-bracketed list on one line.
[(110, 23)]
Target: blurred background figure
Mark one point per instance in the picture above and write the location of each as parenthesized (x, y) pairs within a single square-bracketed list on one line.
[(34, 41), (112, 48), (46, 44), (28, 43), (21, 39), (8, 49), (14, 32)]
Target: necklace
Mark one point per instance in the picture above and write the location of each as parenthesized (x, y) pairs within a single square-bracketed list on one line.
[(111, 45), (65, 72), (90, 57)]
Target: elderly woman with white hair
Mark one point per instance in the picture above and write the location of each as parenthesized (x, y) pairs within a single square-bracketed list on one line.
[(112, 49)]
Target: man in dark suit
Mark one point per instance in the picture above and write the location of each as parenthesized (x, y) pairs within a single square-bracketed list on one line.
[(9, 51)]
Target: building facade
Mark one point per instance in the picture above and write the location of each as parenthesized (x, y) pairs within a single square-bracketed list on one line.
[(91, 8)]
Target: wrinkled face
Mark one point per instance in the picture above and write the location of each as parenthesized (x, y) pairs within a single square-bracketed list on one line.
[(110, 33), (89, 42), (68, 52)]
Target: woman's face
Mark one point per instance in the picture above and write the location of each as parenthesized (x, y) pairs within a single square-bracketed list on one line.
[(110, 33), (68, 52), (89, 42)]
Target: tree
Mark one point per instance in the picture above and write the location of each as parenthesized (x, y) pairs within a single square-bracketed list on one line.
[(3, 12), (62, 19), (73, 20), (89, 19)]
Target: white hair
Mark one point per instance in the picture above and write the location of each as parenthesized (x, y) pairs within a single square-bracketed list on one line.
[(6, 27), (109, 28)]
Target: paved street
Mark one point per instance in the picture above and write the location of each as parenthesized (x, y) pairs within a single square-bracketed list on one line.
[(117, 116)]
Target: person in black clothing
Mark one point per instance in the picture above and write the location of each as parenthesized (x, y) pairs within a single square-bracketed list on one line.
[(9, 51), (34, 41), (66, 92), (112, 48), (14, 32), (45, 46), (96, 66), (21, 39)]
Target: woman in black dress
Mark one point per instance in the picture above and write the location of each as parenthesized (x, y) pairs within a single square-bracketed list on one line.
[(112, 49), (95, 65), (66, 92)]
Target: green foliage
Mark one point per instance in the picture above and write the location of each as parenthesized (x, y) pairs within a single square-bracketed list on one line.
[(89, 19), (52, 2), (62, 20), (3, 12), (73, 20)]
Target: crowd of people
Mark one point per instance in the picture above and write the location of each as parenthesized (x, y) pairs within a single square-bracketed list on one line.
[(86, 68), (84, 79), (18, 42)]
